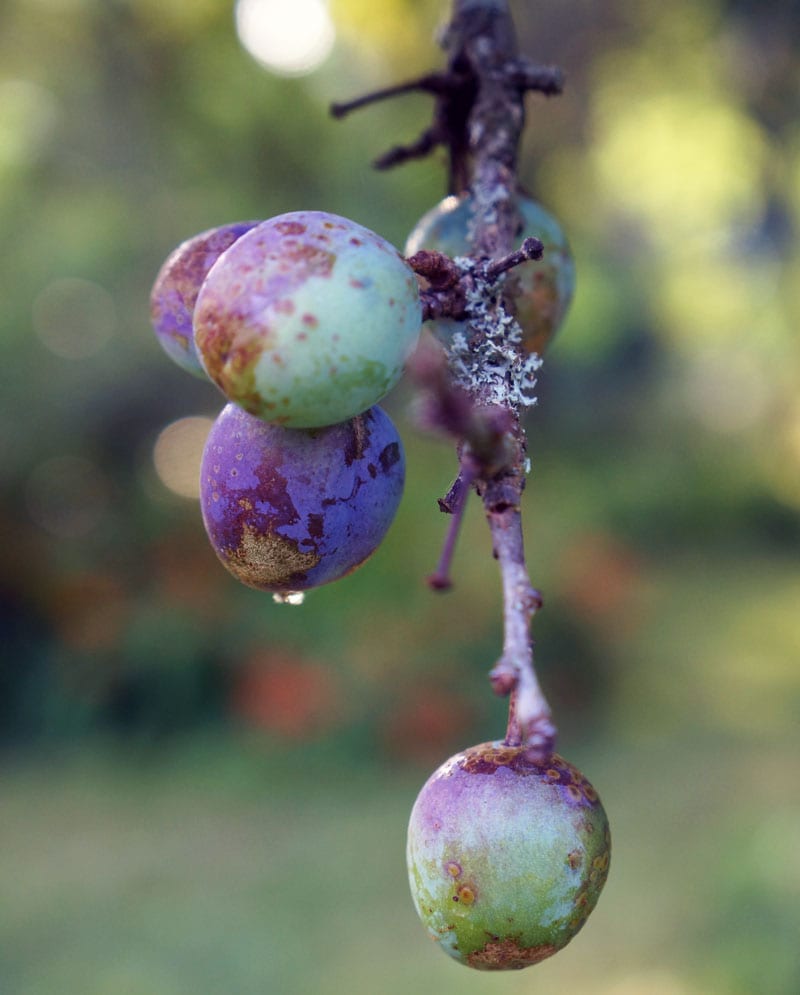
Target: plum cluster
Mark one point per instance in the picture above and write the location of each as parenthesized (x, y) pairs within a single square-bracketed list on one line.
[(304, 322)]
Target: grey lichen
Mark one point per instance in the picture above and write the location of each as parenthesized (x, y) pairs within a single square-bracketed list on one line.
[(486, 354)]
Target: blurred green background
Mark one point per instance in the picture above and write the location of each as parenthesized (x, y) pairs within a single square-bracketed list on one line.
[(204, 792)]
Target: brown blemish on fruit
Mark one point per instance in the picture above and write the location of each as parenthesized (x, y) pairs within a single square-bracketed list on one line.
[(389, 455), (466, 894), (230, 363), (488, 758), (453, 868), (504, 955), (290, 227), (316, 525), (269, 561), (575, 859), (311, 259), (185, 270), (358, 439)]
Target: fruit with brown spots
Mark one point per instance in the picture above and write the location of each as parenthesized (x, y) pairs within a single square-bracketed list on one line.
[(177, 285), (308, 319), (290, 509), (506, 856), (539, 290)]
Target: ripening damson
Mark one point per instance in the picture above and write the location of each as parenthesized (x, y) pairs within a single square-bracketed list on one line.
[(290, 509), (177, 285), (506, 855), (540, 290), (308, 319)]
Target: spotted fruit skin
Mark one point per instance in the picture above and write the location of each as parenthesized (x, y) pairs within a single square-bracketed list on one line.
[(290, 509), (540, 289), (177, 285), (506, 856), (308, 319)]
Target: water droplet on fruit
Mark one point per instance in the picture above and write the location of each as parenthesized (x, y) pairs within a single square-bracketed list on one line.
[(289, 598)]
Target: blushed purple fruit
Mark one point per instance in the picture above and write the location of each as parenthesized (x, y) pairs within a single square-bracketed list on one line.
[(177, 285), (540, 289), (308, 319), (289, 509), (506, 856)]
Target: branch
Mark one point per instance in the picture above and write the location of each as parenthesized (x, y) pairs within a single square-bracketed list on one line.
[(481, 35), (456, 89), (477, 394)]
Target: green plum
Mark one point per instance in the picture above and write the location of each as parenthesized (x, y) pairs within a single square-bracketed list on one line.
[(506, 855), (540, 290), (307, 320)]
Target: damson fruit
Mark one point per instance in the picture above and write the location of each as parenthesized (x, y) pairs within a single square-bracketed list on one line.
[(308, 319), (289, 509), (540, 289), (506, 856), (177, 285)]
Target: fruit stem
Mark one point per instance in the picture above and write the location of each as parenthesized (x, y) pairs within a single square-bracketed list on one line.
[(481, 35), (440, 579), (529, 718)]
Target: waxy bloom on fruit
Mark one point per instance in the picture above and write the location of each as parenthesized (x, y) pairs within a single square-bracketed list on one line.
[(289, 509), (506, 856), (540, 289), (177, 285), (308, 319)]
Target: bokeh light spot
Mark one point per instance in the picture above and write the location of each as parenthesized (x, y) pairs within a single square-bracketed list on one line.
[(74, 318), (288, 37), (178, 452)]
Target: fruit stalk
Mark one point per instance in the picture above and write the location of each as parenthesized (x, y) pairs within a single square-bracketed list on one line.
[(481, 34), (478, 118)]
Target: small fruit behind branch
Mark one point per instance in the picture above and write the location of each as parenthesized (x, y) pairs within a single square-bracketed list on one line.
[(177, 285), (506, 856), (540, 289), (308, 319), (290, 509)]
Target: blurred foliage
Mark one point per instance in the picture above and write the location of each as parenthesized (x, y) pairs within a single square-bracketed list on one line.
[(663, 513)]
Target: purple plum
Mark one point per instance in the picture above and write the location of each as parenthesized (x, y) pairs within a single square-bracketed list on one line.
[(506, 856), (290, 509), (177, 285)]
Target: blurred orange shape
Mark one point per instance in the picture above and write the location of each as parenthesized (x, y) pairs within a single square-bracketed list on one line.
[(288, 696)]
